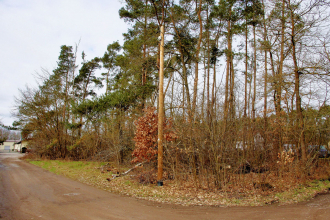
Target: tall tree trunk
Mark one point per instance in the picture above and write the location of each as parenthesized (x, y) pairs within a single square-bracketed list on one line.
[(245, 123), (300, 120), (265, 76), (232, 79), (229, 87), (208, 78), (280, 70), (208, 70), (246, 71), (204, 85), (254, 74), (65, 118), (228, 74), (213, 90), (144, 69), (279, 81), (198, 9)]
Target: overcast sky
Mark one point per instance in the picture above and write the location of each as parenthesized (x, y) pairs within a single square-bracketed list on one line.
[(32, 32)]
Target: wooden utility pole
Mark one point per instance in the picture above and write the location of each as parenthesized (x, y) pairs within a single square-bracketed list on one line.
[(161, 109)]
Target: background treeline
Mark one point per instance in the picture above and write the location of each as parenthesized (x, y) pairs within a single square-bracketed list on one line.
[(7, 134), (245, 80)]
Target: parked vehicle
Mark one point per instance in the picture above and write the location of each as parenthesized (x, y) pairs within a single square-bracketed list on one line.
[(320, 150)]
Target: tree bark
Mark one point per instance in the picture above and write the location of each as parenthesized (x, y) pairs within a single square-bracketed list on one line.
[(198, 9), (300, 120)]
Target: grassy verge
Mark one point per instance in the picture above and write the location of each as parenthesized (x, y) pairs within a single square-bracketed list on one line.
[(95, 174)]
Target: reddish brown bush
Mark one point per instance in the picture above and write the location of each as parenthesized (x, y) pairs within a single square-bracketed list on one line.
[(146, 135)]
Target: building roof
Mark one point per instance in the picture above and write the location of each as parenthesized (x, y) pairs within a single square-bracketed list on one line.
[(12, 141)]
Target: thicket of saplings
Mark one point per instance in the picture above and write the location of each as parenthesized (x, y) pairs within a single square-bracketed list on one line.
[(207, 153)]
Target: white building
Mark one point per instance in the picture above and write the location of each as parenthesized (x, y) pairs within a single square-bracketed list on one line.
[(13, 145), (19, 145), (8, 145)]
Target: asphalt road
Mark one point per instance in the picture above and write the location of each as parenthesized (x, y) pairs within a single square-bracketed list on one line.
[(29, 192)]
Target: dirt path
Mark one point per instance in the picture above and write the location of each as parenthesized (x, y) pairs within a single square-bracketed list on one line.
[(29, 192)]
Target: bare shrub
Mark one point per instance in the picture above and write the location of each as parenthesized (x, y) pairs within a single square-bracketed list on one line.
[(147, 177)]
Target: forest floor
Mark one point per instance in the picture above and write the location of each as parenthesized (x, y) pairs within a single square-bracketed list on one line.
[(241, 190)]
